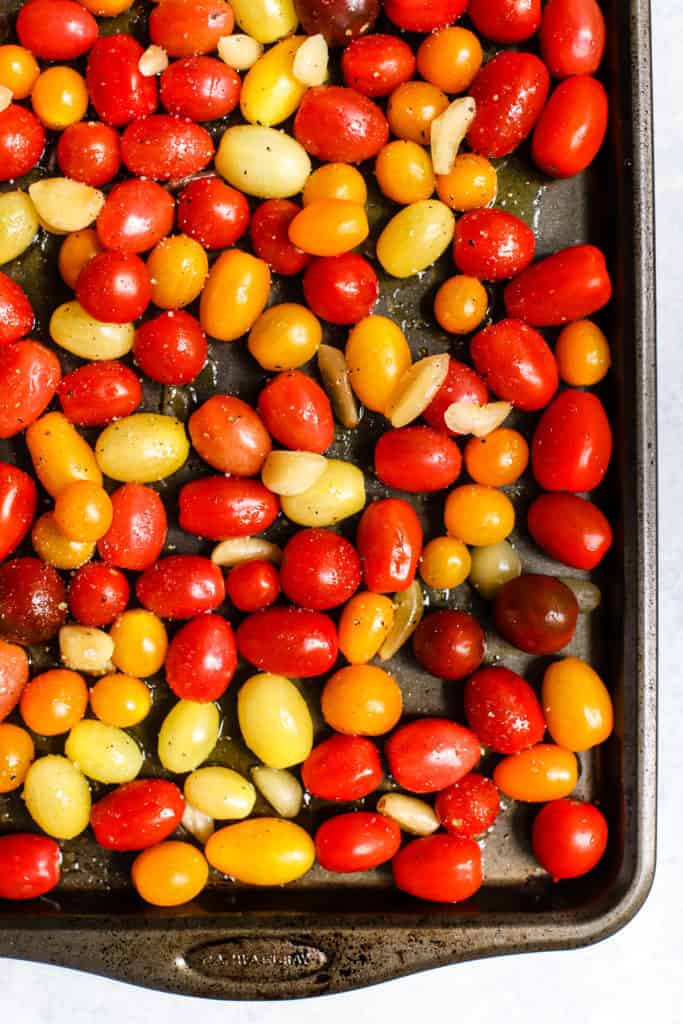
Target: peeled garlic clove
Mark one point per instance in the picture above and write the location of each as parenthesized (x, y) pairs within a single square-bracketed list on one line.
[(471, 418), (239, 51), (245, 549), (587, 595), (153, 61), (416, 388), (198, 824), (311, 61), (290, 473), (411, 815), (64, 205), (335, 375), (85, 649), (6, 97), (448, 131), (280, 788), (408, 611)]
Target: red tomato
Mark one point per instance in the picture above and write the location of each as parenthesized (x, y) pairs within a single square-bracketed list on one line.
[(136, 215), (469, 807), (572, 443), (297, 412), (375, 65), (510, 92), (358, 841), (424, 15), (171, 348), (338, 124), (431, 753), (137, 814), (442, 868), (389, 542), (449, 644), (97, 393), (462, 384), (572, 37), (503, 711), (417, 459), (138, 530), (16, 312), (289, 641), (114, 287), (212, 213), (22, 140), (201, 88), (14, 673), (505, 21), (32, 601), (217, 507), (342, 768), (339, 21), (118, 91), (18, 501), (342, 289), (492, 245), (29, 864), (517, 364), (56, 29), (98, 593), (536, 613), (186, 27), (29, 375), (181, 586), (572, 127), (201, 659), (252, 586), (89, 151), (570, 529), (569, 838), (270, 236), (165, 147), (319, 570), (230, 435), (567, 286)]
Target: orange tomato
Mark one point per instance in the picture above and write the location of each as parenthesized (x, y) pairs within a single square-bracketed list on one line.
[(59, 97), (450, 58), (140, 643), (460, 304), (285, 336), (329, 227), (364, 625), (582, 354), (83, 511), (479, 515), (55, 548), (445, 563), (177, 269), (471, 184), (19, 70), (170, 873), (54, 701), (412, 108), (106, 8), (362, 700), (235, 295), (576, 704), (335, 181), (498, 459), (75, 251), (377, 356), (120, 700), (404, 172), (16, 754), (537, 775)]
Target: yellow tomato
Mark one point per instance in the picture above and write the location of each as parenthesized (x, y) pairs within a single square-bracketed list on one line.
[(235, 295), (404, 172), (120, 700), (275, 721), (261, 851), (55, 548), (16, 754), (336, 181), (377, 356), (19, 70), (411, 109), (337, 494), (364, 625), (107, 8), (188, 734), (83, 511), (57, 797), (220, 793), (18, 224), (445, 563), (270, 92), (142, 448), (140, 643), (498, 459), (576, 704), (470, 185), (285, 336), (76, 250), (177, 267), (479, 515), (59, 97), (492, 566), (450, 58), (537, 775), (60, 455), (79, 333), (362, 700), (460, 304), (415, 238), (170, 873), (262, 162), (583, 355), (266, 20), (329, 227), (103, 752)]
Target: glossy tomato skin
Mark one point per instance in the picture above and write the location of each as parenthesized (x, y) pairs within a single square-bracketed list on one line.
[(389, 542), (341, 289), (97, 393), (536, 613), (572, 127), (22, 140), (217, 507), (201, 659), (162, 147), (449, 644), (469, 807), (137, 814), (358, 841), (462, 384), (118, 91), (16, 313), (138, 530), (417, 459), (319, 570), (172, 348), (14, 671), (337, 20), (270, 236), (98, 593), (254, 585), (289, 641), (29, 865), (114, 287), (429, 754), (375, 65), (572, 37), (503, 711), (181, 586), (505, 21), (213, 213), (572, 443), (18, 502), (424, 15), (517, 364), (32, 601), (441, 868), (342, 768), (187, 27), (570, 529), (230, 435), (334, 123), (510, 92), (569, 285), (492, 245), (297, 412), (200, 88), (29, 376), (89, 151), (568, 838), (136, 215), (56, 29)]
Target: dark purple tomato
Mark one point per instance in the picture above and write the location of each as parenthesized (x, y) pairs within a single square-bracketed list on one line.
[(32, 601), (338, 20), (449, 644), (536, 613)]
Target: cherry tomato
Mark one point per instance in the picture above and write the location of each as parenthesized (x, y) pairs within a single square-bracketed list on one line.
[(59, 97), (22, 140), (503, 711), (18, 502), (32, 601), (536, 613), (460, 304), (329, 227), (389, 542), (338, 21), (498, 459), (359, 841), (478, 515), (364, 625), (29, 864), (29, 376), (16, 754), (319, 570), (582, 354), (56, 29), (492, 245), (450, 58), (270, 236), (16, 314), (97, 393), (118, 90), (52, 702), (469, 807), (449, 644), (212, 213), (342, 768), (572, 37), (74, 252), (577, 705), (544, 772), (137, 814), (462, 384), (336, 123), (335, 181), (90, 152), (136, 215), (13, 676), (83, 511), (164, 147), (567, 286), (569, 837), (201, 659), (446, 562), (376, 64), (170, 873), (178, 268), (570, 529), (217, 507), (411, 109), (114, 287), (138, 530), (404, 172), (342, 289), (424, 15), (297, 412), (417, 459), (572, 443), (517, 364), (230, 435), (254, 585), (171, 348), (471, 184), (572, 127), (98, 593), (431, 753), (442, 868), (18, 70), (505, 21), (289, 641), (120, 700), (510, 92), (187, 27), (362, 700), (181, 586), (200, 88)]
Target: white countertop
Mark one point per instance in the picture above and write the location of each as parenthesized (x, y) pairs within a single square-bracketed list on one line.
[(636, 975)]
